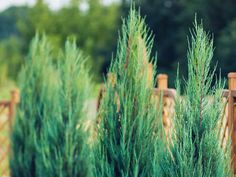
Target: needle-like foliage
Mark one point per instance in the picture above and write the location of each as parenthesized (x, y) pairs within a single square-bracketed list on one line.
[(196, 147), (127, 130), (45, 140)]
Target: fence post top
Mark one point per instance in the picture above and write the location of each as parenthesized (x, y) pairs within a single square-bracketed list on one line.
[(15, 95), (162, 76), (162, 81), (232, 75)]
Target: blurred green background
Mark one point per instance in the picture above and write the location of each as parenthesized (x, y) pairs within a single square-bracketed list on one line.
[(95, 25)]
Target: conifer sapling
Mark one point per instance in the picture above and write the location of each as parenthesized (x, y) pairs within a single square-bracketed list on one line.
[(127, 141), (196, 147), (45, 140)]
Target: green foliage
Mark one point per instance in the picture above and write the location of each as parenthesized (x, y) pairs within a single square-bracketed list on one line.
[(45, 140), (127, 140), (196, 148), (8, 20), (94, 29), (226, 44), (10, 58)]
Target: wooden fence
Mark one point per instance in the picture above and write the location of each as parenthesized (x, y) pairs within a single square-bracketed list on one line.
[(227, 124), (232, 115), (7, 111)]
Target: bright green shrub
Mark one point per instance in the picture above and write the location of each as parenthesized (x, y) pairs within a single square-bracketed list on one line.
[(127, 137), (196, 146), (45, 140)]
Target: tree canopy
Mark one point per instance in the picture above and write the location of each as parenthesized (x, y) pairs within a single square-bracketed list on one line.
[(170, 21), (95, 29)]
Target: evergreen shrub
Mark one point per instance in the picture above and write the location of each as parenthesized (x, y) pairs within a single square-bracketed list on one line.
[(127, 132), (196, 146), (46, 138)]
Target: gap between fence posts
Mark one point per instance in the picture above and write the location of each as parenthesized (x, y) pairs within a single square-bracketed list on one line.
[(232, 116)]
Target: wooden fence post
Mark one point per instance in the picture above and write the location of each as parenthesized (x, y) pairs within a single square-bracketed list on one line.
[(232, 117), (15, 99), (162, 85), (162, 81)]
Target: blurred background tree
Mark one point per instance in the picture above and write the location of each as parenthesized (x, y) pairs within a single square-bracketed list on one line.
[(95, 25), (170, 21), (92, 23)]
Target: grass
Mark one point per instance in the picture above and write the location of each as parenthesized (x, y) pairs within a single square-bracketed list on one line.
[(5, 90)]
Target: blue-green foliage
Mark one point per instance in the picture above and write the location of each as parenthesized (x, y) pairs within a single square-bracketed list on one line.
[(196, 149), (127, 133), (45, 140)]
